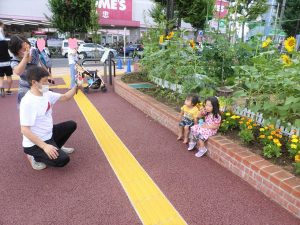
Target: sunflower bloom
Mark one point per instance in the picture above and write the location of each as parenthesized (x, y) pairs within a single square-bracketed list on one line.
[(290, 44), (286, 60), (266, 43), (192, 43)]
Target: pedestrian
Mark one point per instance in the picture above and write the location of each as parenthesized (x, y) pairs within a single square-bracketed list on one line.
[(44, 56), (23, 57), (42, 141), (201, 132), (5, 69), (72, 58), (188, 117)]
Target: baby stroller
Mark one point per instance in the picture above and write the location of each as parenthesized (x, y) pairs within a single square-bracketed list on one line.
[(93, 80)]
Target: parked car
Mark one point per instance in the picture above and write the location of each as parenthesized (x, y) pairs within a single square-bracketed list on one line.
[(65, 46), (94, 50), (129, 50)]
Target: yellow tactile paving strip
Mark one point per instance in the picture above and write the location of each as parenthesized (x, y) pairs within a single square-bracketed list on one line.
[(149, 202)]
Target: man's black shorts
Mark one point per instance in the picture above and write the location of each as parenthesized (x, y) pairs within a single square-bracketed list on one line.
[(5, 70)]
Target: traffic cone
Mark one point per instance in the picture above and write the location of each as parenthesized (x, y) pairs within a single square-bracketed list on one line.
[(128, 66), (120, 66)]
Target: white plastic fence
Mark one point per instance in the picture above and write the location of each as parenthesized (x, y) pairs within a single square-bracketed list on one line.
[(258, 118), (167, 84)]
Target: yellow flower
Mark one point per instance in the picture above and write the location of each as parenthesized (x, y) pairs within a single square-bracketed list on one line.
[(271, 126), (161, 39), (266, 43), (170, 35), (279, 144), (237, 117), (255, 124), (275, 140), (286, 60), (240, 122), (266, 128), (293, 146), (273, 132), (278, 135), (290, 44), (297, 158), (192, 43), (242, 118), (227, 122), (270, 137), (262, 136), (250, 127), (227, 114), (294, 136), (262, 129), (295, 140)]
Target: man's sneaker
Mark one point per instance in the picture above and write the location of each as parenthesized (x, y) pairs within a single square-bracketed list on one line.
[(67, 150), (191, 146), (201, 152), (8, 93), (34, 164), (2, 92)]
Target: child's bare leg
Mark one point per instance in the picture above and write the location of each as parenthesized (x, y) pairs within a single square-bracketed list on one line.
[(186, 134), (180, 133), (200, 144)]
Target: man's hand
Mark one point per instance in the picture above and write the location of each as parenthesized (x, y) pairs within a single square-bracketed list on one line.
[(51, 151)]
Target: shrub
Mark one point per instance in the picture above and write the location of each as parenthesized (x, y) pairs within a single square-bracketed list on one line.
[(271, 150), (246, 135)]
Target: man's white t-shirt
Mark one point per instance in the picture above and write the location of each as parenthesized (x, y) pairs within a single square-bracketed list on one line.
[(36, 112)]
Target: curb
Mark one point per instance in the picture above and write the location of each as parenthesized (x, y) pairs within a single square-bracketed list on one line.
[(276, 183)]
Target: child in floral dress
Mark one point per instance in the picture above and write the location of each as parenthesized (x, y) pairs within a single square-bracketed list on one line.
[(200, 133)]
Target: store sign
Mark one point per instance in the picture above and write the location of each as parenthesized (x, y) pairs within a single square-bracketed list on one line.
[(115, 9), (221, 8)]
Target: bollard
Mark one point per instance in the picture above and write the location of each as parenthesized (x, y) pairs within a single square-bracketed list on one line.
[(128, 66), (120, 66)]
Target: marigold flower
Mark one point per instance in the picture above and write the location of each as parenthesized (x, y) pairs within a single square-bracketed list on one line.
[(295, 140), (275, 140), (294, 136), (250, 127), (255, 124), (270, 137), (279, 144), (290, 44), (262, 129), (266, 128), (241, 122), (192, 43), (293, 146), (271, 126), (278, 135), (286, 59), (262, 136), (273, 132), (227, 114), (242, 118), (297, 158)]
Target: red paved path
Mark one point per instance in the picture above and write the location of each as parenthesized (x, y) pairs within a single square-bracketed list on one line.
[(87, 191)]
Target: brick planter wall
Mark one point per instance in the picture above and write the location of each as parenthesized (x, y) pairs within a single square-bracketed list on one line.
[(276, 183)]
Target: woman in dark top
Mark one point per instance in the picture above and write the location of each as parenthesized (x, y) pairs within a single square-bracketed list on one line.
[(5, 69)]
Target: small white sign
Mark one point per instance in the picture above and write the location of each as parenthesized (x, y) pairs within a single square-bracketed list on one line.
[(105, 55)]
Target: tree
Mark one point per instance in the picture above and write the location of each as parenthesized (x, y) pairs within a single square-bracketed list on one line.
[(291, 19), (72, 15), (191, 11), (248, 10)]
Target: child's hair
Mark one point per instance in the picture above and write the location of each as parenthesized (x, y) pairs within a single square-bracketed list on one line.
[(36, 73), (16, 43), (215, 104), (194, 99)]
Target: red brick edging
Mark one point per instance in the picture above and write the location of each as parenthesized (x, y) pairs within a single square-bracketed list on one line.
[(276, 183)]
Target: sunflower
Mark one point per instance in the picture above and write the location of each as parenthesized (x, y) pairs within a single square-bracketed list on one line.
[(290, 44), (192, 43), (266, 43), (286, 59)]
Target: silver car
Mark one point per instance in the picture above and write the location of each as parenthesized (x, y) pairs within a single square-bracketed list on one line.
[(91, 50)]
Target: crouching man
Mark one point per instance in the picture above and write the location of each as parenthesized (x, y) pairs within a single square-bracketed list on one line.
[(42, 141)]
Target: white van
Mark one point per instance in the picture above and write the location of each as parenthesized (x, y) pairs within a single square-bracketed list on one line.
[(65, 46)]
